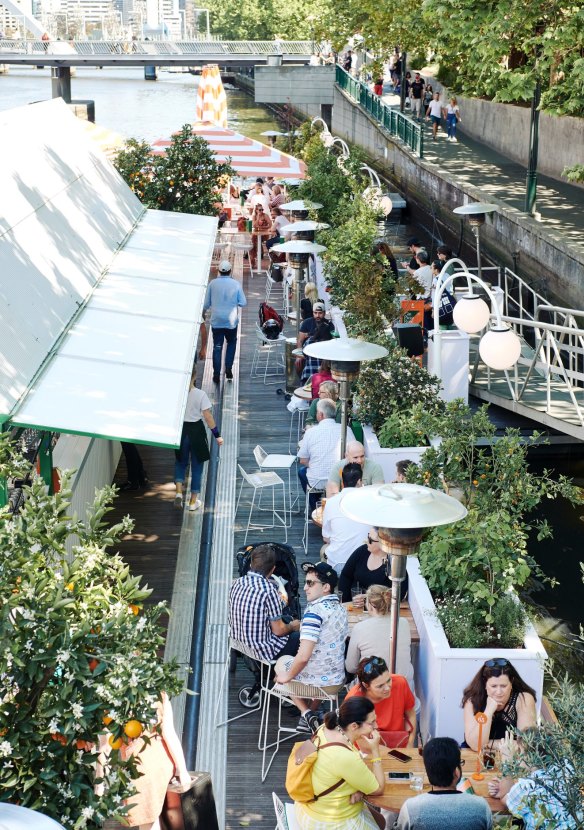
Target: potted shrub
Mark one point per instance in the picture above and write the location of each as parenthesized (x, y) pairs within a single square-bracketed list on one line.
[(464, 587)]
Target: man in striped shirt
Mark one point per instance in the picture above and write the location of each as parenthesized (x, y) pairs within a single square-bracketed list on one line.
[(255, 610)]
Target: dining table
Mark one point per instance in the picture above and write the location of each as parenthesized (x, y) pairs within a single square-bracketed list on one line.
[(396, 792)]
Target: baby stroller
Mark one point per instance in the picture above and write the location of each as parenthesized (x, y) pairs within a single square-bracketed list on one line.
[(286, 578)]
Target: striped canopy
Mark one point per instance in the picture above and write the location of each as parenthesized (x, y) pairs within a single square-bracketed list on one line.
[(248, 157)]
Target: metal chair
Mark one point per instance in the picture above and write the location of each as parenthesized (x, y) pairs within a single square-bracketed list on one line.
[(275, 461), (265, 666), (285, 815), (263, 364), (275, 293), (284, 692), (300, 415), (260, 482), (317, 487)]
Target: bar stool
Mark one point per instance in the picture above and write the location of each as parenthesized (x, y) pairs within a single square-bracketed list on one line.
[(262, 363), (319, 487), (300, 415), (265, 667), (274, 461), (260, 482)]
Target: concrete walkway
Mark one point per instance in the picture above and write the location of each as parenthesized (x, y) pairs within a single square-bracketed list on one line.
[(559, 204)]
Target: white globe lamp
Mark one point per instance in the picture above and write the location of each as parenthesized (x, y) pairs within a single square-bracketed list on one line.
[(471, 313), (500, 348)]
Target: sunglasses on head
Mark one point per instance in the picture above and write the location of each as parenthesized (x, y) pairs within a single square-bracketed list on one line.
[(497, 663), (375, 661)]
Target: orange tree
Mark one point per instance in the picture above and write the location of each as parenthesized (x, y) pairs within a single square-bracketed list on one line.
[(78, 650)]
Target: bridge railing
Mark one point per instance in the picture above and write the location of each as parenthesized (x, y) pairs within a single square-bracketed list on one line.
[(394, 121), (213, 48)]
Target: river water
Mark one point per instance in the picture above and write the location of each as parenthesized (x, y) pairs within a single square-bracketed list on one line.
[(133, 107)]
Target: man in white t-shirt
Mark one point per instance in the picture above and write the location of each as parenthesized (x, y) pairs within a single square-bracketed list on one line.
[(342, 535), (434, 114), (258, 197), (423, 274)]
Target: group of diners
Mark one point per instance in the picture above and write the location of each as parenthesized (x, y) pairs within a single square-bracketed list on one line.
[(380, 707)]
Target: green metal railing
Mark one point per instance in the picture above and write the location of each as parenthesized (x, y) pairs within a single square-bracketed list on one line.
[(392, 119)]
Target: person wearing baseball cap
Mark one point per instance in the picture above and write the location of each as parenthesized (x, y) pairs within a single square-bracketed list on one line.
[(224, 298), (320, 660), (308, 326)]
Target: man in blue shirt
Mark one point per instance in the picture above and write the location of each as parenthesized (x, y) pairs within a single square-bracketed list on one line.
[(224, 297)]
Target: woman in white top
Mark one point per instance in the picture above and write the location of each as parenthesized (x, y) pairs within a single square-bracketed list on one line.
[(372, 635), (434, 114), (194, 444), (452, 118)]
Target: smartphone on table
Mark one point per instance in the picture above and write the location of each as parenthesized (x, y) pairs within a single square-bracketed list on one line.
[(399, 756)]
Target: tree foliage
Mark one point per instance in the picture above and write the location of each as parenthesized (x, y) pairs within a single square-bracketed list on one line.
[(265, 19), (77, 645), (185, 178)]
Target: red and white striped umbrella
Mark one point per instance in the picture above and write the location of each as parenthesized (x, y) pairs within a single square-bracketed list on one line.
[(247, 157)]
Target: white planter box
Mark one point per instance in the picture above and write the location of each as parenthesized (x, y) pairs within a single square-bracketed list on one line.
[(441, 673), (388, 458)]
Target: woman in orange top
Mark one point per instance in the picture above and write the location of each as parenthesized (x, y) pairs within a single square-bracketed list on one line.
[(395, 705)]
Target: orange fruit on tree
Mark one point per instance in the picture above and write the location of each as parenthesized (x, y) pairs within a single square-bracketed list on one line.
[(106, 720), (135, 609), (133, 729), (93, 664), (114, 742), (56, 736), (69, 586)]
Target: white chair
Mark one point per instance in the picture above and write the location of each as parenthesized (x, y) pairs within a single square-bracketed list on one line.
[(219, 252), (265, 665), (317, 487), (260, 482), (236, 256), (275, 293), (283, 693), (285, 815), (275, 461), (268, 358), (299, 415)]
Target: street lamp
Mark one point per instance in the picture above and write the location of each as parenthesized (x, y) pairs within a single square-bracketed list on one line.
[(345, 355), (500, 347), (476, 212), (401, 512), (299, 252)]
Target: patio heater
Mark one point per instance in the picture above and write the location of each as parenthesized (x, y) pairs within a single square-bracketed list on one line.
[(299, 208), (272, 135), (402, 512), (346, 355), (477, 213), (304, 229), (299, 252)]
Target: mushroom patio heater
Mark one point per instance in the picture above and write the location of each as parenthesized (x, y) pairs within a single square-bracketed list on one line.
[(304, 229), (477, 213), (402, 512), (299, 208), (299, 252), (272, 135), (345, 355)]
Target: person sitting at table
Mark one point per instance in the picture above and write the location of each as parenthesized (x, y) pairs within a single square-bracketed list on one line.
[(343, 773), (372, 635), (318, 378), (340, 533), (321, 334), (329, 390), (279, 221), (395, 705), (308, 326), (365, 566), (401, 468), (310, 297), (260, 227), (453, 810), (320, 660), (354, 454), (506, 699), (258, 197), (276, 197), (255, 610)]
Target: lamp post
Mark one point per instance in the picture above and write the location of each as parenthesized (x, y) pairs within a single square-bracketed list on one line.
[(346, 355), (401, 512), (299, 252), (500, 348), (476, 212)]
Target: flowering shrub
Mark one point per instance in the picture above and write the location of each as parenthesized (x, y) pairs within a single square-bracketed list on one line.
[(78, 650), (185, 178)]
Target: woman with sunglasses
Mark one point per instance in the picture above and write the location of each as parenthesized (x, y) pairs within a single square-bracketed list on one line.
[(348, 774), (395, 705), (373, 635), (260, 226), (365, 566), (506, 699)]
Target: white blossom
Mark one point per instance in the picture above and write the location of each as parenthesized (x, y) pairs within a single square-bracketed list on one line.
[(5, 749)]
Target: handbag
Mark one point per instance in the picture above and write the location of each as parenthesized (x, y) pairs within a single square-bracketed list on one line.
[(299, 770), (190, 807)]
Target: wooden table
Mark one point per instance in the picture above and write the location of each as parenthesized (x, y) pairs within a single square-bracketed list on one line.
[(301, 392), (396, 792), (355, 615)]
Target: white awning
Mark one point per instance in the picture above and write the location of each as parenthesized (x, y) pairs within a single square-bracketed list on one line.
[(102, 304)]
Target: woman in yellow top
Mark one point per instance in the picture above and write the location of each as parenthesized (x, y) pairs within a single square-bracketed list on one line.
[(343, 808)]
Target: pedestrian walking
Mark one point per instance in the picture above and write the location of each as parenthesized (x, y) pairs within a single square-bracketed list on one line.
[(452, 118), (194, 445), (417, 94), (224, 297), (434, 114)]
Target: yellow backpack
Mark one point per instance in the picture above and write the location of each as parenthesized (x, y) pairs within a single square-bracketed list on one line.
[(299, 770)]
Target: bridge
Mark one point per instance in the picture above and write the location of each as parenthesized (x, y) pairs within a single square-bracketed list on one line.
[(57, 53)]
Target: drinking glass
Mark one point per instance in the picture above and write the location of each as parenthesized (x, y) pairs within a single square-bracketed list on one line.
[(416, 781), (357, 596)]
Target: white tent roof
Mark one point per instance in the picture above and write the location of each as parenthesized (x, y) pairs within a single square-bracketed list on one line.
[(101, 300)]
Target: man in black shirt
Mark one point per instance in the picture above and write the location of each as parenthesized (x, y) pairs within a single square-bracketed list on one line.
[(308, 326), (416, 96)]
